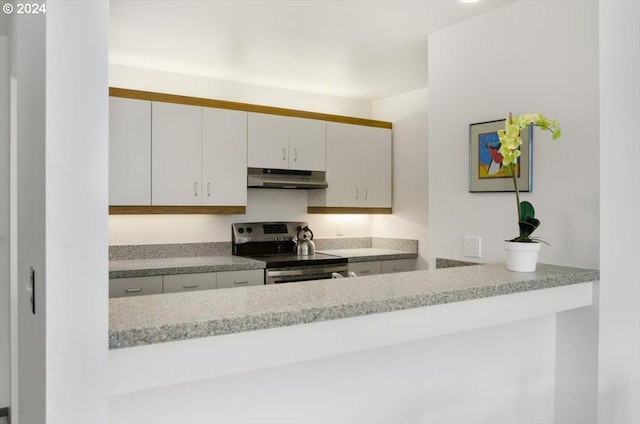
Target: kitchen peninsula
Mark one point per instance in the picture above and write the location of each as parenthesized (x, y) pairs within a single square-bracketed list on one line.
[(243, 329)]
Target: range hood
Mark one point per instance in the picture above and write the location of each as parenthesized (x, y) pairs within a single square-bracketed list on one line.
[(285, 178)]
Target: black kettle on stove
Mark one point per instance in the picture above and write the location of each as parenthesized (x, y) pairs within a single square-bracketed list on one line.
[(305, 245)]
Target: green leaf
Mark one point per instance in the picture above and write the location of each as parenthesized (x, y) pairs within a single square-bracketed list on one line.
[(526, 211)]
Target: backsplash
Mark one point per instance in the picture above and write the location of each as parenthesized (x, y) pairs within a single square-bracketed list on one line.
[(181, 250)]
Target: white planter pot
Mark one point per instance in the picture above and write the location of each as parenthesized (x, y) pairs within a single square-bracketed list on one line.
[(522, 257)]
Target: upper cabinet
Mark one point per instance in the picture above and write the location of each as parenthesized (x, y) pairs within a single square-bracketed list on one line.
[(129, 151), (284, 142), (199, 156), (224, 157), (358, 170), (176, 157), (177, 154)]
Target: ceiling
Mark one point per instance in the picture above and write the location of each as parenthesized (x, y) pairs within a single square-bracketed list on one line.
[(353, 49)]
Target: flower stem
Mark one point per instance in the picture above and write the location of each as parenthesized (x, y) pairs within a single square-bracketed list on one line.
[(515, 187)]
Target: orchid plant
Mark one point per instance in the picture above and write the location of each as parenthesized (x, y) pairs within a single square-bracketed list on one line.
[(510, 142)]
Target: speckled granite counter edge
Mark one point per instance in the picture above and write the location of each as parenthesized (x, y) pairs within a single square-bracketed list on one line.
[(383, 257), (183, 331), (149, 272)]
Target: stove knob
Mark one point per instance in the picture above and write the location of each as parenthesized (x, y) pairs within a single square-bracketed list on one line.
[(240, 230), (249, 230)]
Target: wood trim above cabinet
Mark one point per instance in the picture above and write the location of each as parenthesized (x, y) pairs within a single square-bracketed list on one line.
[(223, 104), (347, 210), (133, 210)]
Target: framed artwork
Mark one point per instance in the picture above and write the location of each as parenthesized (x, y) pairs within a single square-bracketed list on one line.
[(486, 173)]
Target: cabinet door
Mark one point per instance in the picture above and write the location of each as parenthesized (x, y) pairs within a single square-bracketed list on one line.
[(365, 268), (189, 282), (267, 140), (176, 154), (307, 144), (135, 286), (343, 165), (228, 279), (129, 152), (224, 157), (376, 167), (398, 265)]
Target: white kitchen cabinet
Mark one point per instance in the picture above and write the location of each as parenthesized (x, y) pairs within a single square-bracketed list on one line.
[(375, 167), (199, 156), (307, 144), (252, 277), (365, 268), (176, 155), (135, 286), (224, 157), (189, 282), (129, 151), (358, 168), (382, 267), (283, 142), (398, 265)]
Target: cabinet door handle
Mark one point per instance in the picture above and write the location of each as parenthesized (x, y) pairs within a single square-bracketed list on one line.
[(295, 154), (135, 290), (190, 286), (366, 193), (209, 189), (357, 193), (195, 189), (284, 153), (241, 282)]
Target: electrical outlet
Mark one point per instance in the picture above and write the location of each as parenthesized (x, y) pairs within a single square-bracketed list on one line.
[(472, 246)]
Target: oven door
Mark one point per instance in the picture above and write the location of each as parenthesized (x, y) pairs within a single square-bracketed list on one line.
[(303, 273)]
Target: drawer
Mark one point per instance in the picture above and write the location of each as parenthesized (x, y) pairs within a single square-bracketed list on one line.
[(135, 286), (398, 265), (365, 268), (189, 282), (228, 279)]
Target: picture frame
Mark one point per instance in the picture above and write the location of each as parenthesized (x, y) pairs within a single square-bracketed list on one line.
[(486, 174)]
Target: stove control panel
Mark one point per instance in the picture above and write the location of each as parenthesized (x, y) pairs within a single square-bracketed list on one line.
[(264, 231)]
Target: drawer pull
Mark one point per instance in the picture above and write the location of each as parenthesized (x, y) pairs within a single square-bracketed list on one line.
[(365, 271), (241, 282), (190, 286), (132, 290)]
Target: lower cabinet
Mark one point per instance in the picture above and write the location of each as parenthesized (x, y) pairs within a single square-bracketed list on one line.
[(365, 268), (398, 265), (382, 267), (228, 279), (189, 282), (137, 286)]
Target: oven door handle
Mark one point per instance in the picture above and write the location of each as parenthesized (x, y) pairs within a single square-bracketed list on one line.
[(288, 272)]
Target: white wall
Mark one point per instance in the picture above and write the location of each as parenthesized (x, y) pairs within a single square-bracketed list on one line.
[(76, 210), (529, 56), (619, 379), (29, 64), (263, 205), (408, 112), (5, 337), (59, 61)]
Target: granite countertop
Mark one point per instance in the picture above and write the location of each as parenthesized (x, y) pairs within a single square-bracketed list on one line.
[(151, 319), (186, 265), (370, 254)]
